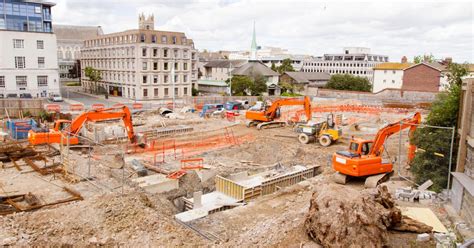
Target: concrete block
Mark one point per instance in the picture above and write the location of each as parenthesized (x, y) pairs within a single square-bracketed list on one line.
[(205, 175), (197, 199), (425, 185), (423, 237), (157, 183)]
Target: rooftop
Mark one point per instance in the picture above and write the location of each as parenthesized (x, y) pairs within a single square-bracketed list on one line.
[(306, 77), (69, 32), (392, 66), (225, 63), (254, 68)]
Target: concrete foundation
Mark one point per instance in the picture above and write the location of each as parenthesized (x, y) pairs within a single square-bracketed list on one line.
[(157, 183)]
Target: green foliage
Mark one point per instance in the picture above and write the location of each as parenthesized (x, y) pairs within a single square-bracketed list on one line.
[(194, 92), (243, 85), (290, 94), (73, 84), (421, 58), (284, 67), (260, 98), (444, 112), (289, 88), (94, 76), (274, 68), (349, 82), (45, 116), (27, 113)]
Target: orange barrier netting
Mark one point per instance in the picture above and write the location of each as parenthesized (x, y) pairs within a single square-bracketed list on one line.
[(76, 107)]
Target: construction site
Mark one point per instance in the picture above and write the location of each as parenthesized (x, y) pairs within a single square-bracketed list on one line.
[(285, 172)]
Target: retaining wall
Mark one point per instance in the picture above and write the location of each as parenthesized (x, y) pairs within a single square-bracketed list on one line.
[(14, 106)]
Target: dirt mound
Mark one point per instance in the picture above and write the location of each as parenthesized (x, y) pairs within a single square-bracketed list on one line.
[(340, 216), (134, 219)]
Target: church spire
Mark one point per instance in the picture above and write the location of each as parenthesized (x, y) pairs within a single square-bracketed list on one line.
[(253, 47)]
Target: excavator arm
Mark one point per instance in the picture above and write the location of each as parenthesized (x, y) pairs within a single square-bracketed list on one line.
[(384, 133), (104, 114), (271, 112)]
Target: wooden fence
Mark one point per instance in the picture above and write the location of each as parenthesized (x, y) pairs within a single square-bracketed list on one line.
[(13, 107)]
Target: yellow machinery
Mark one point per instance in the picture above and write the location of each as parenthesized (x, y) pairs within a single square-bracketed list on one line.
[(325, 132)]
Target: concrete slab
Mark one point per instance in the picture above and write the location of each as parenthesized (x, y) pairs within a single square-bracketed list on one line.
[(425, 215), (157, 183), (205, 175), (191, 215)]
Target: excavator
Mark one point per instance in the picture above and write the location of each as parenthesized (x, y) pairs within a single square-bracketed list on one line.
[(63, 128), (269, 114), (364, 157)]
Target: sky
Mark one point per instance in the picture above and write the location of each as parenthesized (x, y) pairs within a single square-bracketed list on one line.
[(396, 29)]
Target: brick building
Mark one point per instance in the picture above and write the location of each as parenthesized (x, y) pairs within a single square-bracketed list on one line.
[(424, 77)]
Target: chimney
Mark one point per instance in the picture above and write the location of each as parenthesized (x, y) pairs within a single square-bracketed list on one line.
[(404, 59), (426, 58), (448, 60)]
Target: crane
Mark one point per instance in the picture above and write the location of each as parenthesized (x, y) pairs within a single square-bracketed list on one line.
[(364, 157), (268, 116), (72, 128)]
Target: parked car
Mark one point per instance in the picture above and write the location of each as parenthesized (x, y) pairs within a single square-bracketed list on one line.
[(257, 107), (12, 95), (234, 105), (26, 95), (55, 98)]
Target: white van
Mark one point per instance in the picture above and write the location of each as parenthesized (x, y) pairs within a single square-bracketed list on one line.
[(55, 98)]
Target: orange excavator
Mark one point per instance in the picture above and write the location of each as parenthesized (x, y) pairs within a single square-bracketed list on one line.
[(64, 128), (269, 114), (364, 157)]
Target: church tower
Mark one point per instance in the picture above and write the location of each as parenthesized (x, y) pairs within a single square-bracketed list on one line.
[(253, 47), (147, 23)]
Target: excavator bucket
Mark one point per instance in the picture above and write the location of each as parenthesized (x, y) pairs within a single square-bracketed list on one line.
[(373, 181)]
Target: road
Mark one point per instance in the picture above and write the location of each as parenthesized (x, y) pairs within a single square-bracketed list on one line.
[(82, 98)]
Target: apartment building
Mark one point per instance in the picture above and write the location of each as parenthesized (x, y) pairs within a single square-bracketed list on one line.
[(357, 61), (141, 64), (28, 61)]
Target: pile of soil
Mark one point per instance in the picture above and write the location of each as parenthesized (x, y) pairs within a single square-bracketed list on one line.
[(340, 216), (135, 219)]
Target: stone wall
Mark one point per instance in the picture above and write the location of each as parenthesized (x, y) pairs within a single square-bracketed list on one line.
[(467, 207)]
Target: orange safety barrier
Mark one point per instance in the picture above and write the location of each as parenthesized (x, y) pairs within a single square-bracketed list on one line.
[(137, 106), (98, 106), (118, 105), (53, 107), (192, 163), (76, 107)]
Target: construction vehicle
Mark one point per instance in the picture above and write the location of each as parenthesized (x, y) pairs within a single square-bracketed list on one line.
[(65, 128), (325, 132), (364, 157), (267, 116)]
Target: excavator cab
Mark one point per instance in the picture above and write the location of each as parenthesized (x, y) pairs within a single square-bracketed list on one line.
[(61, 124), (360, 147)]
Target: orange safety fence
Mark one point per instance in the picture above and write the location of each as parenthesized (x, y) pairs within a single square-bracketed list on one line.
[(118, 105), (76, 107), (137, 106), (97, 106), (53, 107)]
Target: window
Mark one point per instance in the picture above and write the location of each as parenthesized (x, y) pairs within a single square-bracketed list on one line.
[(155, 79), (385, 71), (40, 44), (394, 71), (165, 53), (153, 38), (165, 79), (155, 66), (42, 81), (40, 62), (165, 66), (144, 52), (20, 62), (176, 66), (185, 66), (185, 78), (18, 43), (155, 52), (185, 91), (144, 79), (164, 39), (156, 91), (393, 81), (21, 82), (176, 54), (176, 78), (384, 81), (142, 38), (183, 40), (2, 81), (145, 92), (176, 91), (166, 91), (144, 66), (174, 39)]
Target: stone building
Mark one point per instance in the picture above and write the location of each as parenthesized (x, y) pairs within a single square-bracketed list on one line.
[(141, 64), (462, 197), (70, 40)]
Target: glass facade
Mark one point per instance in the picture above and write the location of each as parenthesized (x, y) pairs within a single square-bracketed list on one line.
[(20, 15)]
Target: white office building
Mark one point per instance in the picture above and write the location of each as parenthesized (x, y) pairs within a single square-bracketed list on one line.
[(28, 63), (357, 61)]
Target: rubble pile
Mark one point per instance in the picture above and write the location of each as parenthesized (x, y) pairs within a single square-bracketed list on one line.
[(344, 217)]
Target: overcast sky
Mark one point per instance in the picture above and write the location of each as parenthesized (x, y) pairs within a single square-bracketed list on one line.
[(303, 27)]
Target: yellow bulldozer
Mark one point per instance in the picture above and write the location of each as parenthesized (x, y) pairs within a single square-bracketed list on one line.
[(325, 132)]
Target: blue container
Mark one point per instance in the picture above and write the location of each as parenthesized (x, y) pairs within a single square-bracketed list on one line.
[(18, 129)]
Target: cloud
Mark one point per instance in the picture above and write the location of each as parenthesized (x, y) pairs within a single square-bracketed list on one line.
[(303, 27)]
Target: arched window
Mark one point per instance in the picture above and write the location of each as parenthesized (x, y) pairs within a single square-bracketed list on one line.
[(60, 54)]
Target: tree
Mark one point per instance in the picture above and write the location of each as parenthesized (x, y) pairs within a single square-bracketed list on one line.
[(273, 67), (94, 76), (433, 160), (243, 85), (423, 58), (194, 91), (285, 66), (348, 82)]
